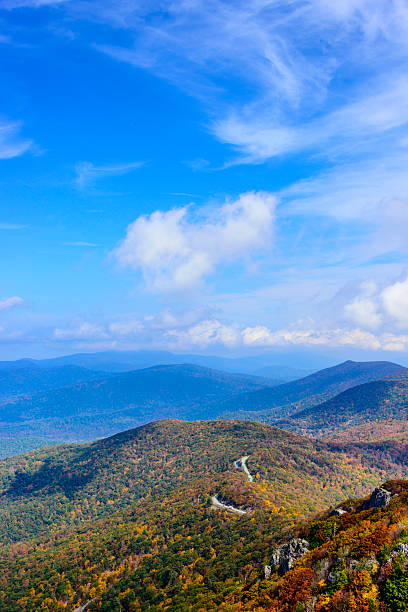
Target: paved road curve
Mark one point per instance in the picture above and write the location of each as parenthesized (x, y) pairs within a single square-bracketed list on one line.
[(239, 463)]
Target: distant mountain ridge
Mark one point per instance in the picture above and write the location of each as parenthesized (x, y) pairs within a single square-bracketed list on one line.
[(110, 403), (104, 406), (378, 400), (313, 389), (124, 361), (32, 379)]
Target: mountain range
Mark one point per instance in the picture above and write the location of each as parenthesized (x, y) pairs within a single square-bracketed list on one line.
[(101, 404), (40, 406), (382, 400), (124, 361), (185, 513), (310, 390)]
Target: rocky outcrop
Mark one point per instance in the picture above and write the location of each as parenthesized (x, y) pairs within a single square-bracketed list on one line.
[(338, 512), (379, 498), (284, 557)]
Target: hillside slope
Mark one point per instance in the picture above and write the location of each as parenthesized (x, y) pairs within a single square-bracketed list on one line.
[(311, 390), (376, 401), (126, 523), (355, 560), (160, 457)]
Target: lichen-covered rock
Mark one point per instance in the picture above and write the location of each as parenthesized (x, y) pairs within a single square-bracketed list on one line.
[(379, 498), (284, 557)]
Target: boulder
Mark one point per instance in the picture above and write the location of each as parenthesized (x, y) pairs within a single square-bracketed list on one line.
[(268, 571), (379, 498), (284, 557), (338, 512)]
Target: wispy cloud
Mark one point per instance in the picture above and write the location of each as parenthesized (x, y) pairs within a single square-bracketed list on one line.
[(11, 302), (295, 59), (80, 330), (298, 95), (12, 144), (11, 226), (87, 173)]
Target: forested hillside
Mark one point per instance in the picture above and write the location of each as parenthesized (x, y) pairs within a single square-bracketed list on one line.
[(354, 559), (127, 523), (380, 400), (269, 404)]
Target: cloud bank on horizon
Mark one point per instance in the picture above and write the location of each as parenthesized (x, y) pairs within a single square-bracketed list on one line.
[(270, 207)]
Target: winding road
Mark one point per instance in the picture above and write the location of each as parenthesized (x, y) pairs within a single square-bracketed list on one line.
[(84, 607), (240, 464), (217, 504)]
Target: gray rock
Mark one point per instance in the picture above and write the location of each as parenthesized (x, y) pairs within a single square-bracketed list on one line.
[(268, 571), (392, 556), (403, 548), (379, 498), (338, 512), (284, 557)]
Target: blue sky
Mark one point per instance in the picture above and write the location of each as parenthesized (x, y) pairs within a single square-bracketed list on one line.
[(204, 176)]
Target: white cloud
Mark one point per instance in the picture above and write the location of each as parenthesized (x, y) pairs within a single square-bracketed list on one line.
[(80, 330), (206, 333), (262, 336), (11, 302), (188, 331), (364, 312), (395, 302), (126, 329), (342, 131), (175, 250), (363, 309), (12, 144), (213, 332), (88, 173), (375, 306), (393, 342)]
